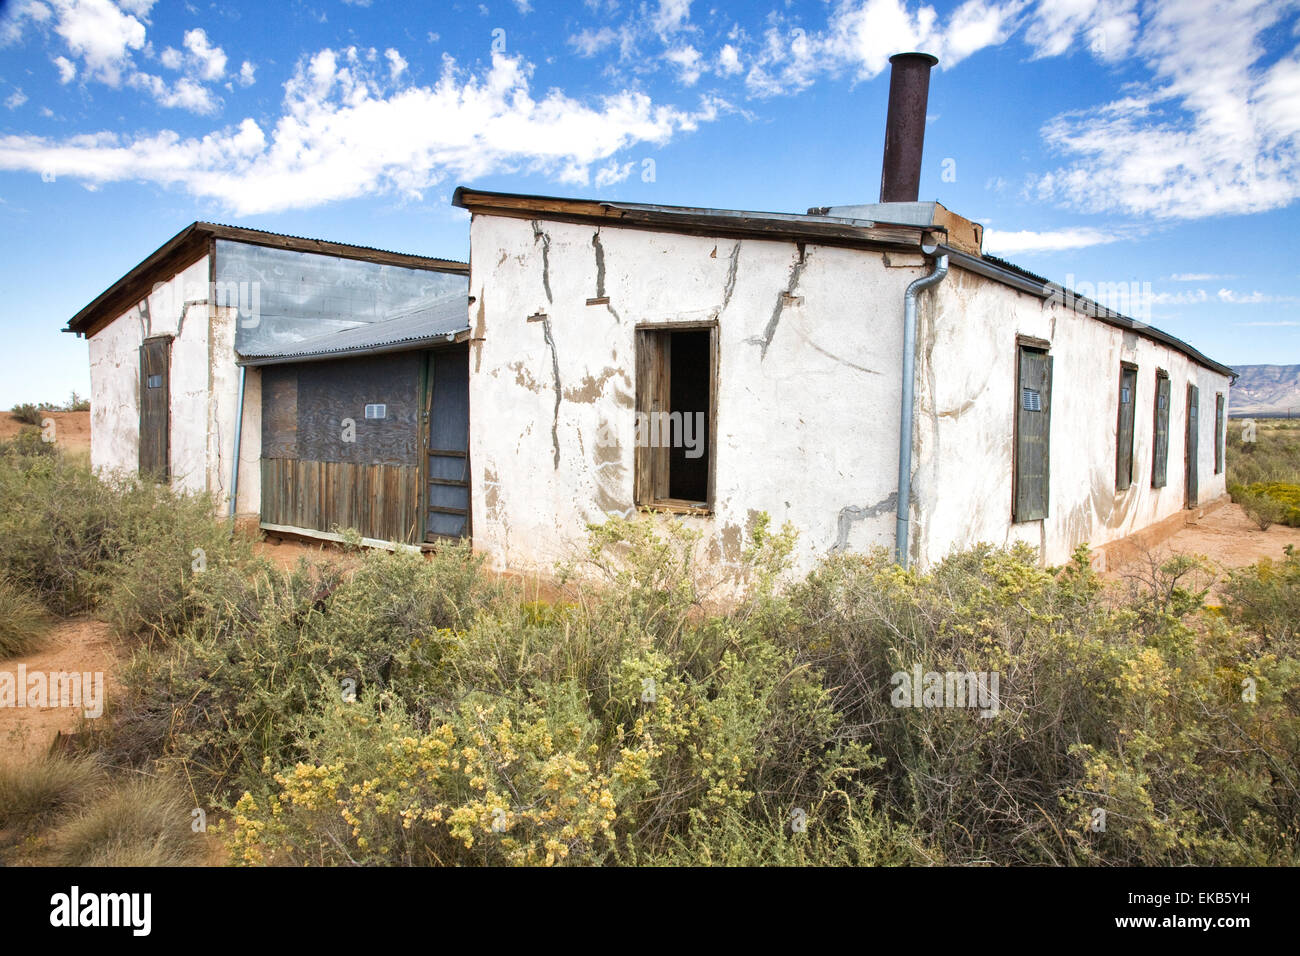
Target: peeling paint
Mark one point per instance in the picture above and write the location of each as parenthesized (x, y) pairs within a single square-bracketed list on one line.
[(784, 297), (480, 329), (852, 513), (732, 268), (555, 372), (600, 275), (545, 239), (591, 387)]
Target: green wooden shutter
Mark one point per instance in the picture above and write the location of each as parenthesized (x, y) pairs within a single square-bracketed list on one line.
[(1160, 457), (1033, 433), (1124, 431), (1218, 433)]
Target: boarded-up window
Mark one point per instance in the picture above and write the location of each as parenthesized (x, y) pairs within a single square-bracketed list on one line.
[(675, 406), (1033, 430), (1218, 433), (1124, 429), (1160, 453), (155, 407)]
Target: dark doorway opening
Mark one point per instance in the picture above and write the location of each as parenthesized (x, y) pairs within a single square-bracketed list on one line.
[(689, 378)]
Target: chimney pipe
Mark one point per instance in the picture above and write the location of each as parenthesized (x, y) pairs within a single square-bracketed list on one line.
[(909, 91)]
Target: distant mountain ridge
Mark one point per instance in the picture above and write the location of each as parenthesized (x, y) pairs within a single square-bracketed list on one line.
[(1266, 390)]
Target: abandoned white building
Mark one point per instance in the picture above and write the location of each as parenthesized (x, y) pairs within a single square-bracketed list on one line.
[(864, 372), (311, 363)]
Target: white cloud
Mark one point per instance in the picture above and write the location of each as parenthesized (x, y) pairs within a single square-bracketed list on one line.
[(613, 172), (209, 60), (344, 132), (396, 64), (999, 242), (689, 63), (861, 35), (1190, 297), (1198, 277), (247, 73), (15, 99), (67, 69), (20, 14), (671, 16), (729, 61), (185, 94), (1106, 28), (1215, 132), (171, 58), (1252, 298), (101, 34), (524, 6)]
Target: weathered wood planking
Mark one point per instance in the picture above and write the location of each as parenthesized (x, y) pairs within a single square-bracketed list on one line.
[(380, 501)]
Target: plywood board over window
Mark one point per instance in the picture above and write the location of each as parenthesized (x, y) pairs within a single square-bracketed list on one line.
[(155, 406), (1124, 428), (1160, 451), (1033, 433), (676, 416)]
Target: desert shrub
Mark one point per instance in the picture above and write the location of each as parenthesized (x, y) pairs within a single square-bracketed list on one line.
[(36, 792), (1123, 709), (72, 538), (24, 622), (148, 581), (1261, 508), (138, 821), (26, 444), (410, 710), (76, 403), (27, 413), (1274, 455)]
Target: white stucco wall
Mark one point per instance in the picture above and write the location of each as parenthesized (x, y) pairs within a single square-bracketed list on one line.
[(203, 381), (966, 398), (807, 428)]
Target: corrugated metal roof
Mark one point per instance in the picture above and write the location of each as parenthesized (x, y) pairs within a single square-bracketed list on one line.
[(431, 324)]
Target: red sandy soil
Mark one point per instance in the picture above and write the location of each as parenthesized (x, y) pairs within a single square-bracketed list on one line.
[(71, 429), (76, 644)]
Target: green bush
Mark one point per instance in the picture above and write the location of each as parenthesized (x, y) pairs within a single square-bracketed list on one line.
[(26, 444), (27, 413), (73, 539), (24, 622)]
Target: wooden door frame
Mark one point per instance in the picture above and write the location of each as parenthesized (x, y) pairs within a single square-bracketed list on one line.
[(426, 391)]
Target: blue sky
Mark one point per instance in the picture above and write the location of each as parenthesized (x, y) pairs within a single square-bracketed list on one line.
[(1101, 142)]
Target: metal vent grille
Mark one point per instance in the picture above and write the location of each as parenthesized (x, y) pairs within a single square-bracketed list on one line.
[(1031, 400), (376, 411)]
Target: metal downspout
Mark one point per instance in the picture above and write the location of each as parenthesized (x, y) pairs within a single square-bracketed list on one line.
[(239, 431), (905, 412)]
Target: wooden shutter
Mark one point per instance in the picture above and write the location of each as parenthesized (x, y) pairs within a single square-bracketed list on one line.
[(1033, 433), (1218, 433), (155, 407), (1124, 430), (653, 357), (1160, 456), (1191, 447)]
